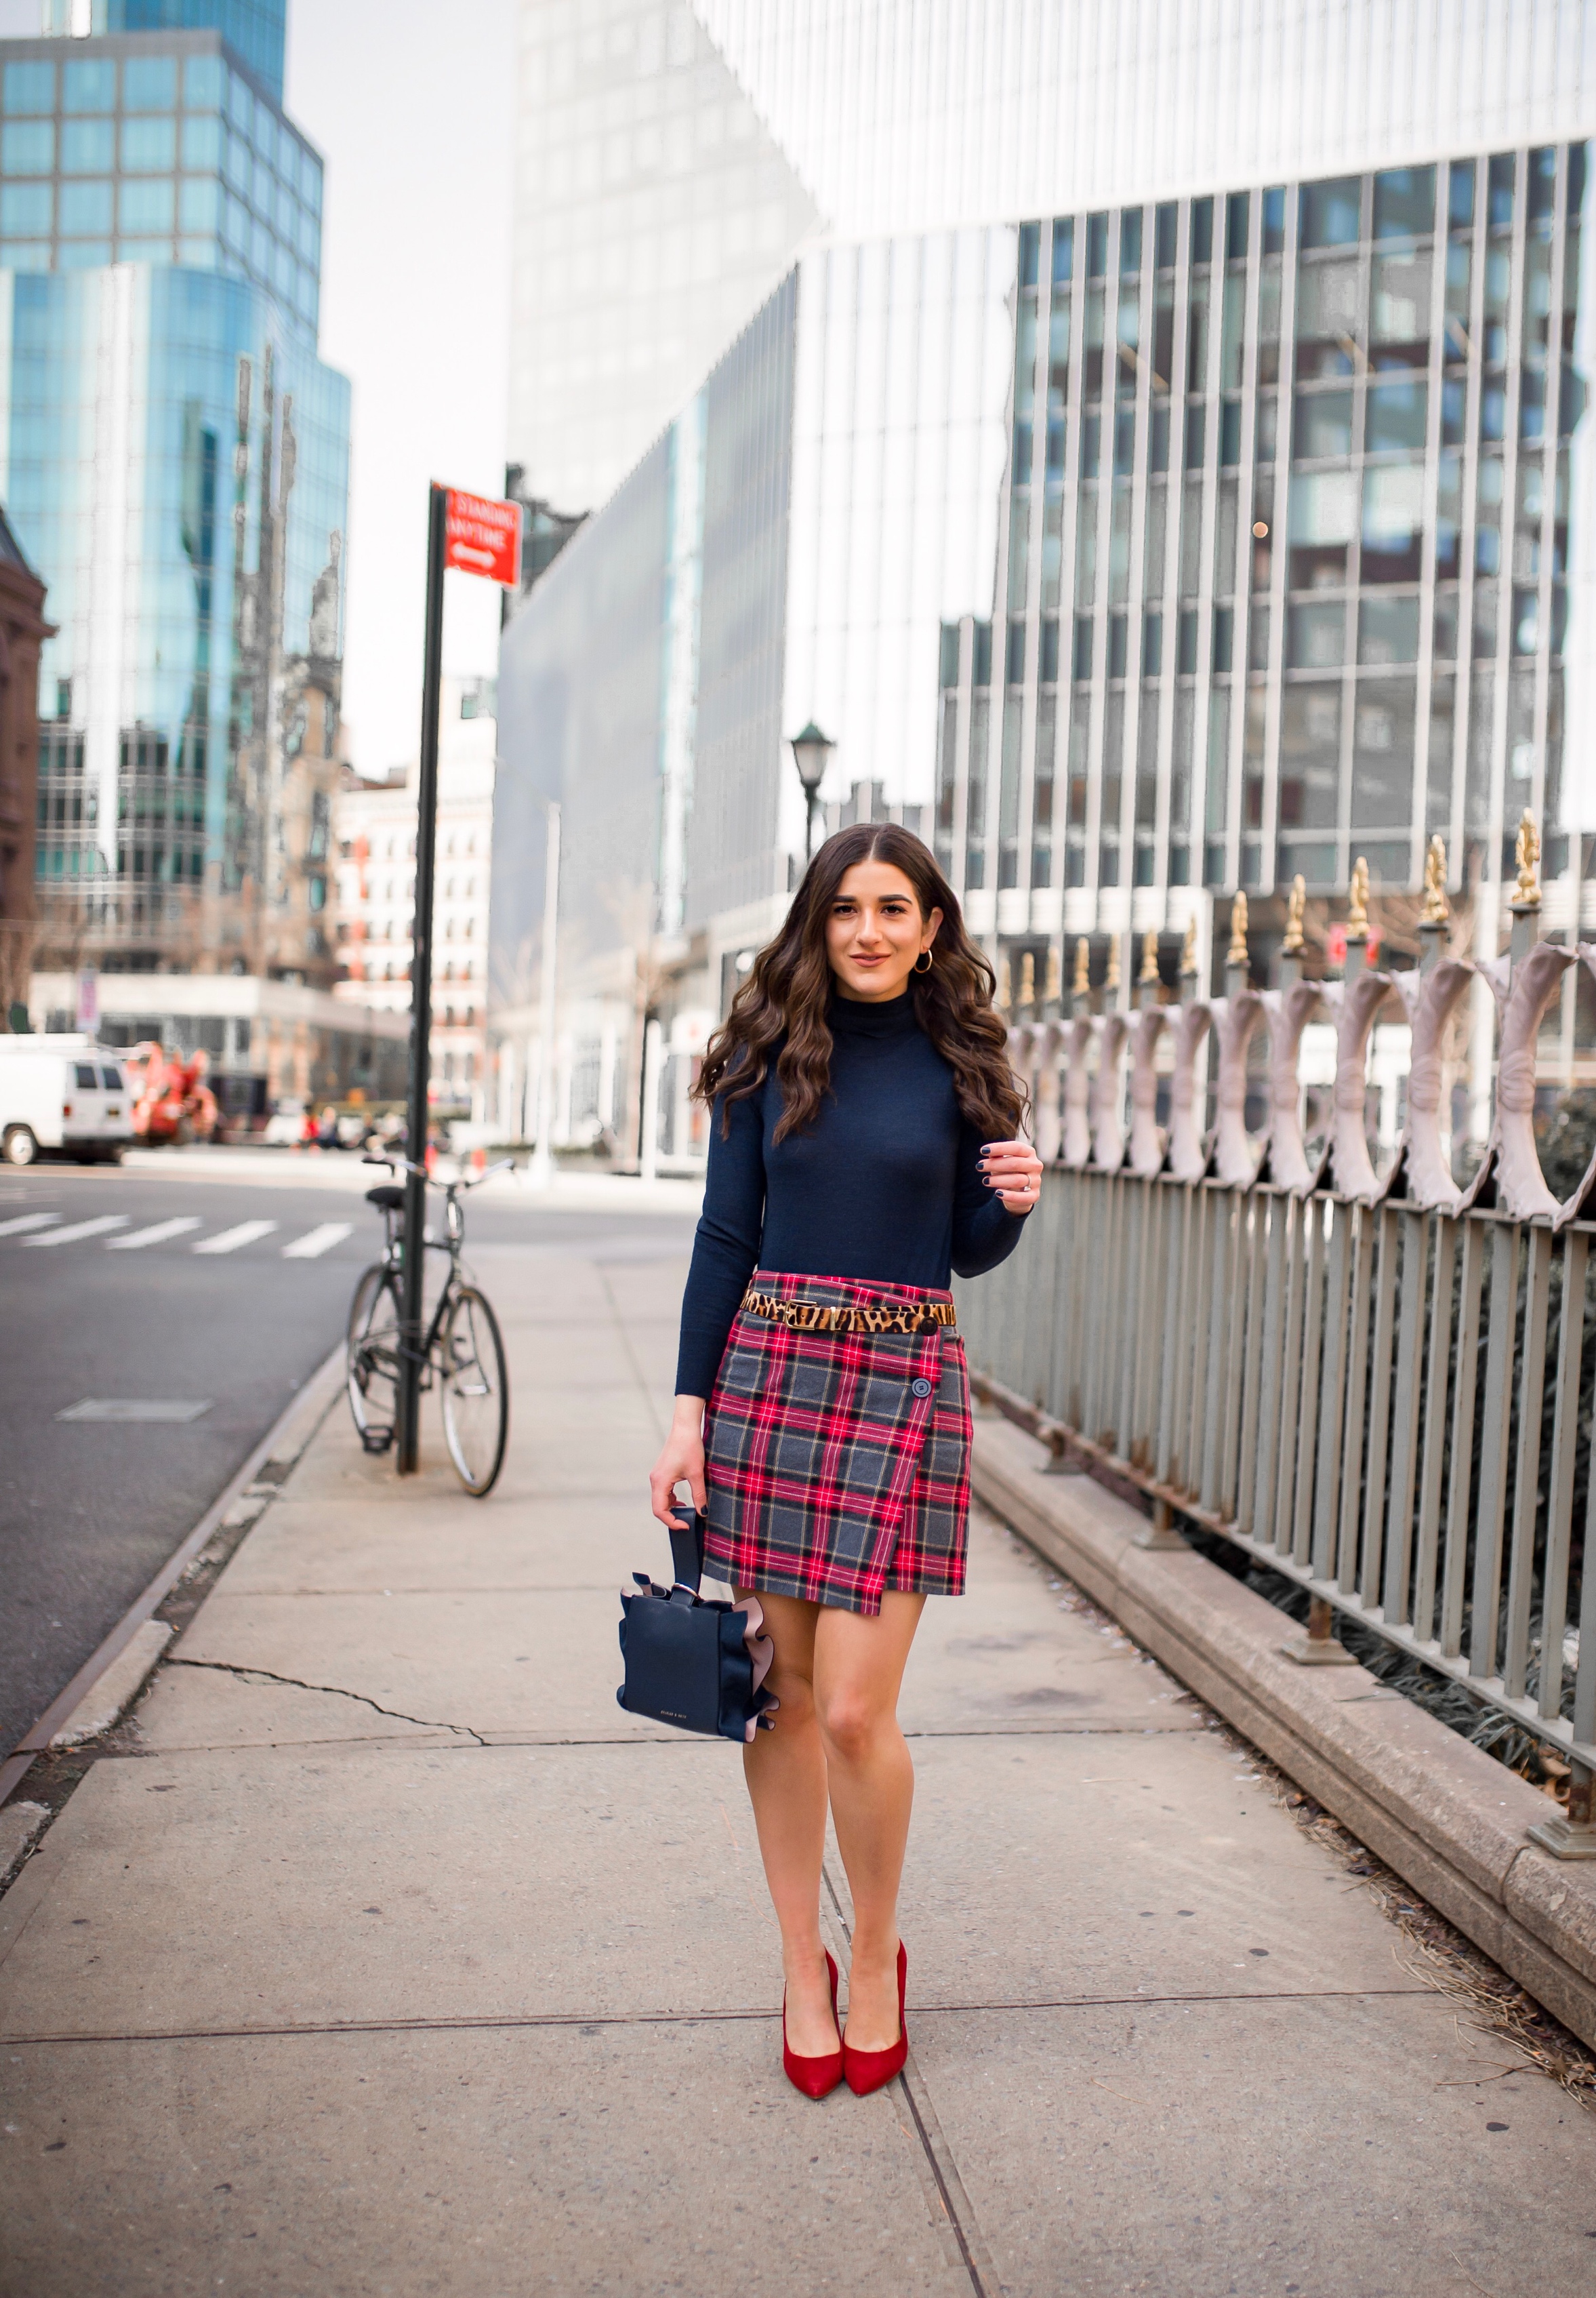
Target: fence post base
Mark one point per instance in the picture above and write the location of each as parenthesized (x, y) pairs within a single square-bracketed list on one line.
[(1571, 1835), (1319, 1647), (1160, 1533)]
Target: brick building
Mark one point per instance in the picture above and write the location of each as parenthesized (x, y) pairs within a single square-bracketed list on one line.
[(22, 630)]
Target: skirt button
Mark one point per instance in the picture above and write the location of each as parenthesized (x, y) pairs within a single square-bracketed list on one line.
[(919, 1388)]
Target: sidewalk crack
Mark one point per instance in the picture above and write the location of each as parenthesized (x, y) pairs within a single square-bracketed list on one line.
[(968, 2244), (334, 1690)]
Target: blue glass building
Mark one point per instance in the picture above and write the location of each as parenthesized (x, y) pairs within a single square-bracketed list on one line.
[(174, 458)]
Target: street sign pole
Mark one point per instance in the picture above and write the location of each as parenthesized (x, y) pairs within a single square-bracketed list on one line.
[(421, 990), (479, 536)]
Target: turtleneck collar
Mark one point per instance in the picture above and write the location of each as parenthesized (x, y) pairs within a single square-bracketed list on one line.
[(853, 1017)]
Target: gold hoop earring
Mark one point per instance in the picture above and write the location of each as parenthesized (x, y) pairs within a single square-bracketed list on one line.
[(922, 964)]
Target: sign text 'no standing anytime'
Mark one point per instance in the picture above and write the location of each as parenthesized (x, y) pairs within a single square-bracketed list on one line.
[(483, 537)]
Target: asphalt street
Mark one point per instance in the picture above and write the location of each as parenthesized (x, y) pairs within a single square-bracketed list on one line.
[(201, 1292)]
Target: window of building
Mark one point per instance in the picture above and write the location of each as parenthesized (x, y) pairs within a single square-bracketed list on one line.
[(1315, 636), (87, 147), (148, 207), (1388, 629), (85, 208), (89, 84), (199, 204), (202, 143), (149, 147), (149, 84), (1404, 203), (28, 147), (25, 208), (29, 87), (202, 83), (1329, 212)]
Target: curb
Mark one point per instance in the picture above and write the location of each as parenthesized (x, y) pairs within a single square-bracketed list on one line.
[(21, 1825), (116, 1689), (266, 1466), (1447, 1817)]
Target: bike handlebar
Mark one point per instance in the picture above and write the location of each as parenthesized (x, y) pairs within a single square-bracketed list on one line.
[(450, 1188)]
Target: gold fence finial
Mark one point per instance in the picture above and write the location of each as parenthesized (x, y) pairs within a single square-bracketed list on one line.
[(1149, 956), (1357, 903), (1082, 983), (1188, 964), (1027, 980), (1004, 979), (1236, 953), (1111, 979), (1052, 992), (1436, 907), (1295, 902), (1527, 848)]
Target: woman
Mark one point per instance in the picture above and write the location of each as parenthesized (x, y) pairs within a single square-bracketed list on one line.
[(860, 1147)]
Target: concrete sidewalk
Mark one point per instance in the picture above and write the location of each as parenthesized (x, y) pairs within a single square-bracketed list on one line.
[(397, 1960)]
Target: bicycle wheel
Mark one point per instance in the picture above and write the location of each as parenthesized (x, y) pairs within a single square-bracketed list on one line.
[(374, 1331), (476, 1392)]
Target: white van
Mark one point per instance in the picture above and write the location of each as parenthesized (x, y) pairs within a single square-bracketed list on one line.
[(63, 1093)]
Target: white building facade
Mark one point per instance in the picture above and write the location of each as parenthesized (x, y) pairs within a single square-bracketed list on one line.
[(654, 215), (1166, 470), (375, 837)]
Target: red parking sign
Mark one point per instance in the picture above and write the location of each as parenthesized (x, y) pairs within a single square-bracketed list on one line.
[(483, 537)]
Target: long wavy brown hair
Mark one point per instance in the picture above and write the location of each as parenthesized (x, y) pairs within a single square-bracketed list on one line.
[(790, 984)]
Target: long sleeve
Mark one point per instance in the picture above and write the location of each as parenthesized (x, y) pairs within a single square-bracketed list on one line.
[(727, 1246), (985, 1231)]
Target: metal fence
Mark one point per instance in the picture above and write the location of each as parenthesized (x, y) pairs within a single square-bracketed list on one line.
[(1377, 1387)]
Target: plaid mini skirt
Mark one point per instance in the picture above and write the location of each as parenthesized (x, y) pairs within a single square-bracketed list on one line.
[(838, 1463)]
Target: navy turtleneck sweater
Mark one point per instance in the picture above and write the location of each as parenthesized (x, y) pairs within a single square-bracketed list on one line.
[(886, 1183)]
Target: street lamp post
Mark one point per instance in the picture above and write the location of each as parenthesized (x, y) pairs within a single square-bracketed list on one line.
[(811, 750)]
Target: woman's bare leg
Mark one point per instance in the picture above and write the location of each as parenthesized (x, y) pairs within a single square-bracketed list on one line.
[(785, 1770), (856, 1670)]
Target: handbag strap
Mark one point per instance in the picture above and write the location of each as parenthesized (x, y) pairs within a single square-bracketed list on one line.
[(687, 1551)]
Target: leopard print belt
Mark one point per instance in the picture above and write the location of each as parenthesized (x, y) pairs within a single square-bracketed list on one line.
[(846, 1317)]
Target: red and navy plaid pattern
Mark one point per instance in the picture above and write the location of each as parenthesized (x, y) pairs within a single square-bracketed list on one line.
[(829, 1477)]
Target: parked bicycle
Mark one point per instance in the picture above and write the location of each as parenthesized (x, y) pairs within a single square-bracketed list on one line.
[(461, 1351)]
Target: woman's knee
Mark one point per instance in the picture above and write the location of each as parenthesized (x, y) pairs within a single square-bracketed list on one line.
[(797, 1693), (852, 1720)]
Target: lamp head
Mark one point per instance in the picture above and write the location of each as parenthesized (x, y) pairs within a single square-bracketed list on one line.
[(811, 750)]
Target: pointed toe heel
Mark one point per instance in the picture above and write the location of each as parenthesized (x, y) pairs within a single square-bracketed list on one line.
[(816, 2077), (868, 2070)]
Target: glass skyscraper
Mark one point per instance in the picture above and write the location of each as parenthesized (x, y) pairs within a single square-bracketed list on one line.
[(174, 458), (1167, 471), (1285, 567)]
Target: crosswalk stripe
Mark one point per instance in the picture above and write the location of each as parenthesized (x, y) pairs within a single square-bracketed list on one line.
[(27, 1221), (317, 1241), (230, 1239), (96, 1228), (157, 1234)]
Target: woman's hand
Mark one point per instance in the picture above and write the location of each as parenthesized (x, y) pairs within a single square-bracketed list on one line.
[(1014, 1170), (682, 1458)]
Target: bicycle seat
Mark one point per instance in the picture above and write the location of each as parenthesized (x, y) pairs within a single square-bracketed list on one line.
[(390, 1197)]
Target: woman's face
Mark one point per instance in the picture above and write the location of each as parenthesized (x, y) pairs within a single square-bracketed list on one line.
[(876, 932)]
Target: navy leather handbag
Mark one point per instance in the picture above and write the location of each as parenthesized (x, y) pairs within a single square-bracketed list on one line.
[(697, 1664)]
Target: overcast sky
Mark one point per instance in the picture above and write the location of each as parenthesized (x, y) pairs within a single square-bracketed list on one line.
[(412, 104)]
